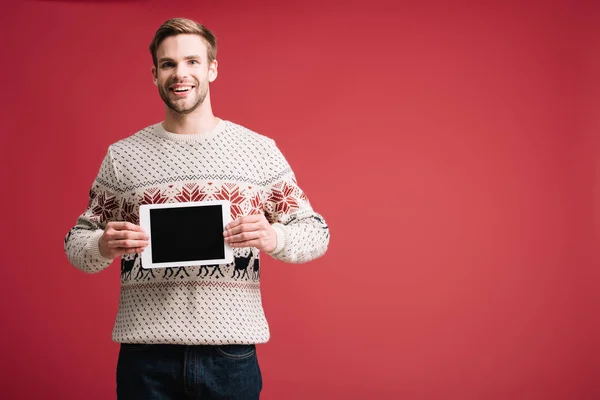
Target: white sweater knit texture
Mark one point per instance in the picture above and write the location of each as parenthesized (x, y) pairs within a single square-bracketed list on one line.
[(198, 304)]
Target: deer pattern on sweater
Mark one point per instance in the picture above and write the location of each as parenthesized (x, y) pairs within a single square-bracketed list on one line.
[(244, 267)]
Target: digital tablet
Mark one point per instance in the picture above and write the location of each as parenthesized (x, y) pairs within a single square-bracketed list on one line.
[(185, 234)]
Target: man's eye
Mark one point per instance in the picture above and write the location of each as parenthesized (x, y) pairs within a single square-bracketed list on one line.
[(167, 65), (193, 62)]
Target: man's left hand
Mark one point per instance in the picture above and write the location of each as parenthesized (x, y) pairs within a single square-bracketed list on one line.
[(251, 231)]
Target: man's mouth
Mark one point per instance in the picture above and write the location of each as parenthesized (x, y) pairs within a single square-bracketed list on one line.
[(181, 89)]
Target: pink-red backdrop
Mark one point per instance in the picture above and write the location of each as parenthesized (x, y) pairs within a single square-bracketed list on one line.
[(453, 150)]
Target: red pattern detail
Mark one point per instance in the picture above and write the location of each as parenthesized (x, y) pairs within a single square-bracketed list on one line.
[(231, 192), (105, 205), (153, 196), (191, 192), (92, 197), (283, 199), (257, 205), (302, 194), (128, 214)]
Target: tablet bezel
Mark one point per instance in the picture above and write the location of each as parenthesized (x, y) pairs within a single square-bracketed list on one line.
[(145, 224)]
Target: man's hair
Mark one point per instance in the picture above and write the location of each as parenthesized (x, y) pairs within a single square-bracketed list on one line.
[(177, 26)]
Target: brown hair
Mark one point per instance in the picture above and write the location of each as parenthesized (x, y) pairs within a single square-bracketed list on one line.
[(177, 26)]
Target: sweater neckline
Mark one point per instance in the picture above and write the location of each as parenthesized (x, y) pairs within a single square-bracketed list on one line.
[(191, 137)]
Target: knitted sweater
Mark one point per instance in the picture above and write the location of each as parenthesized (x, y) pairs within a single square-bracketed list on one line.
[(199, 304)]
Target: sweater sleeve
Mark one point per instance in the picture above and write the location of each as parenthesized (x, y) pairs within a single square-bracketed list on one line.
[(302, 233), (81, 242)]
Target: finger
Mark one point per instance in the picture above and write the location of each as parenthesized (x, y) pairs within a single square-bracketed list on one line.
[(242, 236), (247, 243), (120, 235), (139, 249), (124, 225), (133, 250), (246, 227), (128, 244), (245, 236), (244, 220)]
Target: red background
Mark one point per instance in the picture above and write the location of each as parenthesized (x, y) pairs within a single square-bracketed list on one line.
[(453, 150)]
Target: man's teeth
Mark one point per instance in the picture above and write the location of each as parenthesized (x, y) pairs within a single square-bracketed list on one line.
[(182, 89)]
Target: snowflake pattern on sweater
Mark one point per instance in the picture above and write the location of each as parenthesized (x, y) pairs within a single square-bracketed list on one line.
[(210, 304)]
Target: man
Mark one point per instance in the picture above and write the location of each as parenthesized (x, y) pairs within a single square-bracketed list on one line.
[(190, 332)]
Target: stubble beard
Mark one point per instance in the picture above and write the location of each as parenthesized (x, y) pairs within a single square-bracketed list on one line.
[(179, 106)]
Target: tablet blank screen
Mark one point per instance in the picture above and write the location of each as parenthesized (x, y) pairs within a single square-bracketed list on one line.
[(187, 233)]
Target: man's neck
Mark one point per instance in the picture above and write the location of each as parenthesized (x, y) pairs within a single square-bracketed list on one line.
[(187, 124)]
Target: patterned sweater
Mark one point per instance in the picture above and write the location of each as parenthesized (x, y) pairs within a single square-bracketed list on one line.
[(201, 304)]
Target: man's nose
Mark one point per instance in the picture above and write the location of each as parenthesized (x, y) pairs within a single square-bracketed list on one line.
[(180, 71)]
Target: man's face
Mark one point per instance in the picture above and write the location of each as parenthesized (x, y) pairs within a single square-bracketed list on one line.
[(183, 72)]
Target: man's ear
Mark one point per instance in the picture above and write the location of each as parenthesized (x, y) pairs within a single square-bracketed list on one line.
[(154, 78), (213, 71)]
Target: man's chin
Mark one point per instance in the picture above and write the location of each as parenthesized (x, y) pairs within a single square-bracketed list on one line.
[(181, 106), (181, 109)]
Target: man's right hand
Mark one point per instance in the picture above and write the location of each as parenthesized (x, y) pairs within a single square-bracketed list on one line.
[(122, 238)]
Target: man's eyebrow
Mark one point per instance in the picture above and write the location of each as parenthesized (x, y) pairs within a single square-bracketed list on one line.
[(186, 58)]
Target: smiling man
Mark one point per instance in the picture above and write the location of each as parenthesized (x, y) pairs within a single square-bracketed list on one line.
[(201, 68), (191, 332)]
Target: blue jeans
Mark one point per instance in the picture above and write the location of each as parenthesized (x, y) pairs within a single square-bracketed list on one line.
[(169, 372)]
